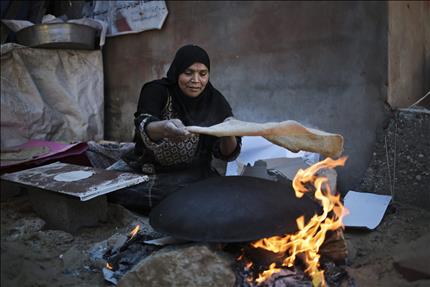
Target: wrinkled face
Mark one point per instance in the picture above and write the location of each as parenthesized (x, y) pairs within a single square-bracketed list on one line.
[(194, 79)]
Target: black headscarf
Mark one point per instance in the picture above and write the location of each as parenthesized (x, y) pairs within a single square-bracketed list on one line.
[(185, 57), (209, 108)]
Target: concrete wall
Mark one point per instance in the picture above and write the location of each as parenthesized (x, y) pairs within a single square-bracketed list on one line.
[(408, 52), (323, 64)]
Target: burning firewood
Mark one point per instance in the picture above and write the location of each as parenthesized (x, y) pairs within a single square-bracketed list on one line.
[(306, 243), (334, 247)]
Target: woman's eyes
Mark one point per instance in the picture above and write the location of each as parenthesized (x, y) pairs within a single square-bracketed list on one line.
[(190, 73)]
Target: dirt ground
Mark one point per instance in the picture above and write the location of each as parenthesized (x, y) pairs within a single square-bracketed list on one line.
[(32, 255), (372, 253)]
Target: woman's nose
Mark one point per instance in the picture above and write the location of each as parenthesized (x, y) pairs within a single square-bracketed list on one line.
[(195, 78)]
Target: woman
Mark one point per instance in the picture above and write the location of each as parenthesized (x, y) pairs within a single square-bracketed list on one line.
[(165, 150)]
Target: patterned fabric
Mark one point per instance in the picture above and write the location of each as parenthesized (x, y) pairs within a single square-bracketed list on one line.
[(166, 151)]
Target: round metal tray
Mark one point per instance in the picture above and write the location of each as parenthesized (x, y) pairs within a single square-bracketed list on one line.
[(231, 209), (58, 35)]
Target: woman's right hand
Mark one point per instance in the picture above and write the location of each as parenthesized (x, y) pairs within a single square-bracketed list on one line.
[(172, 129)]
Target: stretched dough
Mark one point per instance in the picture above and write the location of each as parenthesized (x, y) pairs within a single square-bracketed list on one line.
[(73, 175), (288, 134)]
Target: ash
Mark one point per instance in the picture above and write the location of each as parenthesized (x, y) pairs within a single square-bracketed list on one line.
[(246, 273), (123, 255), (335, 276)]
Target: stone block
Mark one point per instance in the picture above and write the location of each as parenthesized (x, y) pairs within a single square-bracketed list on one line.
[(67, 213), (191, 266), (9, 190)]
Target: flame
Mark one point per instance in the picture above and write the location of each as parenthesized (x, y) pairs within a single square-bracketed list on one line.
[(108, 266), (266, 274), (134, 231), (311, 236)]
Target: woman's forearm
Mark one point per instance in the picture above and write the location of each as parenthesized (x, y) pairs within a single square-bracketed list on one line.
[(155, 130)]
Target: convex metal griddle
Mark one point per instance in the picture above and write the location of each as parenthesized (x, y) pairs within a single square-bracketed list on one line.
[(231, 209)]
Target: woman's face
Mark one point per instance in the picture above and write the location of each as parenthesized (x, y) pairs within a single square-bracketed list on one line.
[(194, 79)]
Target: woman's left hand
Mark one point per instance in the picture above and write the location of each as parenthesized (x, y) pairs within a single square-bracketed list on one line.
[(228, 145)]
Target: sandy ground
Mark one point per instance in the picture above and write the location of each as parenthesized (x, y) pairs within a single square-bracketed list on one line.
[(34, 256)]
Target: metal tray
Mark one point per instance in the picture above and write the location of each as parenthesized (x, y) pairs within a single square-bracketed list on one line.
[(231, 209), (58, 35)]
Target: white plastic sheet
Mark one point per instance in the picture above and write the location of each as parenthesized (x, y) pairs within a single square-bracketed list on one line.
[(50, 94), (365, 210), (258, 148)]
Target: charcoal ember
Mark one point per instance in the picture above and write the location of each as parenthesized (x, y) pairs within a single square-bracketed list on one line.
[(262, 257), (256, 260), (134, 253), (122, 258), (288, 277), (244, 274), (337, 276), (119, 244), (285, 277)]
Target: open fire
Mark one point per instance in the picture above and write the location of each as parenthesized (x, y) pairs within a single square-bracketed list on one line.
[(277, 254), (307, 241)]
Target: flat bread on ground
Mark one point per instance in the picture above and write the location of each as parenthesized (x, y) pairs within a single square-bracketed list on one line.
[(288, 134)]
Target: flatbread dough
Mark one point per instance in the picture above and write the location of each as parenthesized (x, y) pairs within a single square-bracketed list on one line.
[(73, 175), (288, 134)]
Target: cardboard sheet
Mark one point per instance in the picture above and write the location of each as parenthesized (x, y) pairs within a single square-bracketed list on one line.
[(74, 180), (366, 210)]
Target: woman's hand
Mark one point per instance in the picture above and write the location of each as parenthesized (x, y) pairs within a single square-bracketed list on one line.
[(172, 129), (175, 128), (228, 145)]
